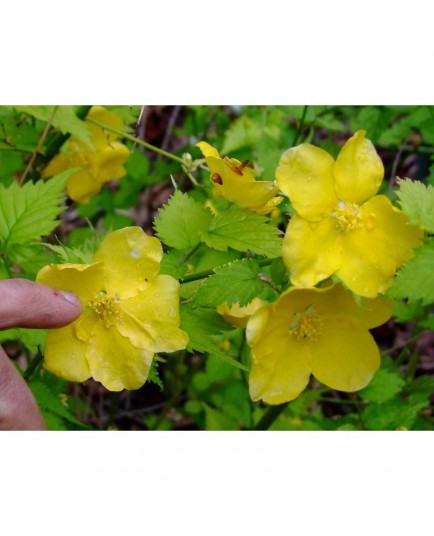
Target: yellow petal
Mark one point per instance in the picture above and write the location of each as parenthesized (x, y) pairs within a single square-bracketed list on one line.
[(110, 161), (257, 324), (100, 138), (242, 189), (372, 254), (237, 315), (257, 196), (81, 186), (279, 371), (345, 357), (335, 299), (65, 355), (58, 164), (311, 251), (131, 258), (224, 176), (305, 175), (207, 149), (85, 280), (114, 361), (358, 170), (156, 310)]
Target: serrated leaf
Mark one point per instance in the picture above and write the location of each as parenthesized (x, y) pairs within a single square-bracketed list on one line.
[(393, 414), (170, 265), (28, 212), (243, 230), (202, 325), (182, 221), (64, 120), (50, 401), (417, 203), (233, 282), (70, 255), (383, 386), (154, 376), (415, 280)]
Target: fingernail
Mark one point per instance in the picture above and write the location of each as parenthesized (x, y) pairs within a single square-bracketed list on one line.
[(70, 297)]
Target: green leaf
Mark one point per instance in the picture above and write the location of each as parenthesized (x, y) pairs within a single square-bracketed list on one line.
[(217, 370), (235, 402), (29, 212), (182, 221), (33, 338), (51, 402), (417, 202), (202, 326), (373, 119), (170, 265), (154, 376), (70, 255), (383, 386), (423, 386), (8, 335), (243, 230), (243, 132), (217, 420), (234, 282), (415, 280), (64, 120), (394, 414)]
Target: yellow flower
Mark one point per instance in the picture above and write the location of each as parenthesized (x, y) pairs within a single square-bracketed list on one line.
[(129, 313), (237, 315), (98, 165), (318, 330), (341, 227), (234, 181)]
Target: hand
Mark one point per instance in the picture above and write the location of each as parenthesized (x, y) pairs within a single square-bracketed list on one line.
[(27, 304)]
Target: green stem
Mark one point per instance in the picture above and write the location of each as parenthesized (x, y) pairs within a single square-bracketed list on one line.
[(196, 276), (189, 253), (206, 273), (269, 417), (33, 366), (136, 140), (340, 401), (300, 126)]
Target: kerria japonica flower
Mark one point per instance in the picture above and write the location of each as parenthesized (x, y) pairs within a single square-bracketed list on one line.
[(98, 165), (130, 312), (341, 227), (319, 331), (235, 181)]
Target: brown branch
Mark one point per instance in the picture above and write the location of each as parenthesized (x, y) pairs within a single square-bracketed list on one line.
[(38, 147)]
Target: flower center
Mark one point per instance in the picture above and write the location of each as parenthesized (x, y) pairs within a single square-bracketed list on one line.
[(107, 308), (306, 325), (347, 216)]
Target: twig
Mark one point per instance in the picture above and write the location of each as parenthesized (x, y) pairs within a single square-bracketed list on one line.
[(141, 127), (170, 125), (396, 161), (39, 145), (300, 126)]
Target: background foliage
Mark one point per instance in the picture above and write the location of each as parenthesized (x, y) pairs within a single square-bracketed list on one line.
[(201, 388)]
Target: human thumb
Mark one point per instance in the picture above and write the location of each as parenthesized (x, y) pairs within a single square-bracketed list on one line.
[(28, 304)]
